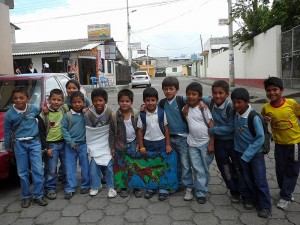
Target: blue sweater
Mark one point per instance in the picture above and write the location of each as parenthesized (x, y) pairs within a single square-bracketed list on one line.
[(176, 123), (28, 124), (244, 142), (76, 133), (223, 124)]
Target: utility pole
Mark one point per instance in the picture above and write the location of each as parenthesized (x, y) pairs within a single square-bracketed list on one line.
[(147, 63), (230, 47), (128, 39)]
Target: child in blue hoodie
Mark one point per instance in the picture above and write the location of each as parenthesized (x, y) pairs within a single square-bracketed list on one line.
[(250, 154)]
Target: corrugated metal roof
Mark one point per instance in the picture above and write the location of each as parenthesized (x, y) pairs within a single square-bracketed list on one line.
[(38, 48)]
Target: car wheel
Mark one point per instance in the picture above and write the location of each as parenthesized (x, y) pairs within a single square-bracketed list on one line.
[(132, 86), (149, 85)]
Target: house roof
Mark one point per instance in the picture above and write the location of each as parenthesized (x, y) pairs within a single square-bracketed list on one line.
[(37, 48)]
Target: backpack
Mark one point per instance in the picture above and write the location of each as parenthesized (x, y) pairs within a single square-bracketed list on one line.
[(135, 119), (160, 114), (95, 122), (180, 104), (228, 107), (268, 136)]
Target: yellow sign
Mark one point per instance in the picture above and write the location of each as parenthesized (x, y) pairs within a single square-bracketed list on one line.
[(98, 32)]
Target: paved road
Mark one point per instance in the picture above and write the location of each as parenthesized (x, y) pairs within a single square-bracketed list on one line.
[(83, 209)]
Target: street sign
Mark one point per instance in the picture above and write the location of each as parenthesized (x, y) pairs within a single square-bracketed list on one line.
[(223, 22), (135, 46), (141, 52)]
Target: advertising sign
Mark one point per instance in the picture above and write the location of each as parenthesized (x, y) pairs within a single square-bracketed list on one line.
[(110, 51), (135, 46), (98, 32)]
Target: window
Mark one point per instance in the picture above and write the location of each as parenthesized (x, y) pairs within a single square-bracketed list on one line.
[(108, 66), (174, 69), (51, 83)]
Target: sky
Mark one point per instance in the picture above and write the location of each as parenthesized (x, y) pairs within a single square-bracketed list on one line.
[(171, 28)]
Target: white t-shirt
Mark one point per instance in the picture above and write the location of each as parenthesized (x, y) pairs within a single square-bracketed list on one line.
[(153, 132), (130, 132), (198, 131)]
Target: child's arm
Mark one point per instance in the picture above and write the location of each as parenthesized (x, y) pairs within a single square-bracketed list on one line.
[(140, 141), (211, 146), (112, 137), (43, 135), (7, 133), (167, 137)]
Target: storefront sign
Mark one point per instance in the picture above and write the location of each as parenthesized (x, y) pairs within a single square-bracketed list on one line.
[(110, 51), (98, 32)]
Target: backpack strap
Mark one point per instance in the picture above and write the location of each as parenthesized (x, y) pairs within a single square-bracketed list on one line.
[(69, 116), (135, 118), (160, 115), (162, 102), (143, 119), (211, 105), (251, 116), (205, 120), (108, 114)]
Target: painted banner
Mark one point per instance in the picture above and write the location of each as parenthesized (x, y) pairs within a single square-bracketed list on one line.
[(154, 170)]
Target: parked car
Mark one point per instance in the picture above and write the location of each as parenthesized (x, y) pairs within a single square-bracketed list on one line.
[(140, 78), (39, 87)]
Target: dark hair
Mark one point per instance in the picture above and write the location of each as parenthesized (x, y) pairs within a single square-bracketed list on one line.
[(77, 94), (273, 81), (21, 90), (194, 86), (77, 84), (56, 91), (99, 92), (170, 81), (240, 94), (222, 84), (150, 92), (125, 92)]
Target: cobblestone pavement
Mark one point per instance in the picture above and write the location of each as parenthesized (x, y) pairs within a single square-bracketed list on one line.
[(84, 209)]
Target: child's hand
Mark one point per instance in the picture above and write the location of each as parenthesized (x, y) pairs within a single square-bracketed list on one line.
[(137, 148), (84, 110), (185, 110), (49, 153), (168, 149), (45, 110), (75, 148), (202, 105), (143, 150), (267, 119), (143, 108), (210, 149), (112, 152)]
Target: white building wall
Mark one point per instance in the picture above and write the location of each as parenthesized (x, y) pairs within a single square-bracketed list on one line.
[(6, 63), (170, 73), (262, 60)]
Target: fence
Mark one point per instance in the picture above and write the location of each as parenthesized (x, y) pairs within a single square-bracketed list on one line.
[(290, 57)]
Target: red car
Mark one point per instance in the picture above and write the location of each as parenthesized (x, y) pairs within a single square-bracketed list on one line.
[(39, 87)]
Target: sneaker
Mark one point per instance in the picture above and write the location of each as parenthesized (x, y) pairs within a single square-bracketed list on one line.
[(84, 190), (51, 195), (25, 202), (248, 205), (94, 192), (188, 194), (235, 198), (124, 193), (283, 204), (41, 201), (264, 213), (292, 199), (111, 193), (201, 200), (149, 194), (162, 196), (68, 195), (138, 193)]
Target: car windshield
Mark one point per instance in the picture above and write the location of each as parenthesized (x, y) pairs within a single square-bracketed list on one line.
[(139, 73), (7, 86)]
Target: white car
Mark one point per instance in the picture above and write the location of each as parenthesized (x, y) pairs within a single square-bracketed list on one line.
[(140, 78)]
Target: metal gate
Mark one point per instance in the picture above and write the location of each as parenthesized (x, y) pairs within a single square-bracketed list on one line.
[(290, 57), (122, 74)]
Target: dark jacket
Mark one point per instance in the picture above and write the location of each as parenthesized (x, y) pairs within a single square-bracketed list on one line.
[(28, 70)]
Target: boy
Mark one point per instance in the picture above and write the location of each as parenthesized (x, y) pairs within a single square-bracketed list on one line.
[(201, 144), (73, 130), (283, 114), (222, 114), (123, 141), (178, 130), (20, 126), (97, 120), (153, 136), (55, 142), (250, 153)]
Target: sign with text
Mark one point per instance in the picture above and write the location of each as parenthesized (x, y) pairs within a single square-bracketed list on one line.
[(141, 52), (98, 32), (223, 22), (135, 46), (110, 51)]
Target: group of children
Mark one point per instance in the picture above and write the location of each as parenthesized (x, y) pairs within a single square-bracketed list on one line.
[(193, 127)]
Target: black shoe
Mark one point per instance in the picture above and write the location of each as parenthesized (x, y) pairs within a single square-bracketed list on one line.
[(41, 201), (264, 213), (51, 195), (201, 200), (25, 202), (84, 190), (124, 193), (248, 205), (138, 193), (162, 196), (235, 198), (148, 194), (68, 195)]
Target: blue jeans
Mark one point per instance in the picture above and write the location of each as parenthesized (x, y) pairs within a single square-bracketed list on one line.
[(30, 152), (71, 167), (58, 148), (200, 163), (287, 169), (179, 144), (224, 153), (95, 177), (255, 176), (156, 146)]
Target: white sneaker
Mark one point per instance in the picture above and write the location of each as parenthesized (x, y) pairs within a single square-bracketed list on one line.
[(188, 194), (292, 199), (94, 192), (283, 204), (111, 193)]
